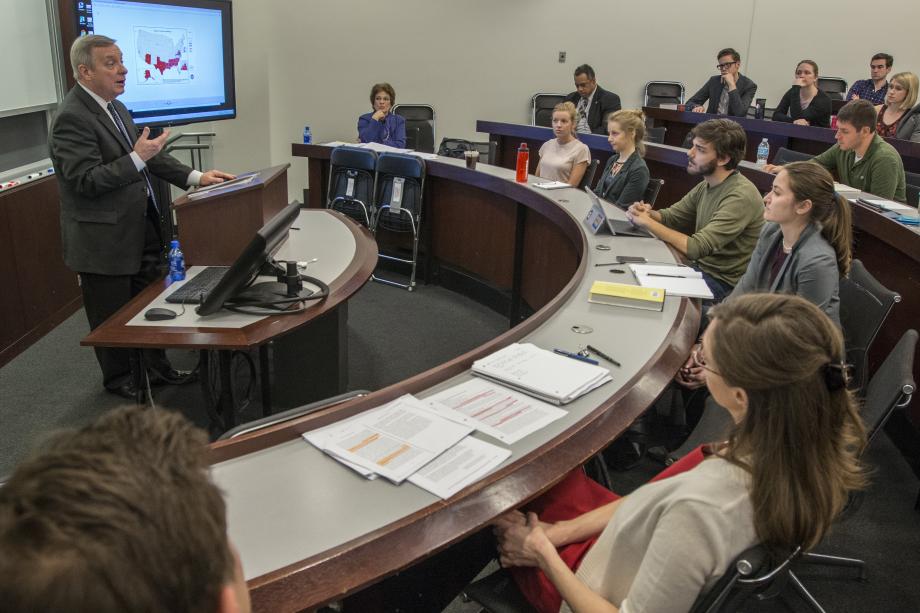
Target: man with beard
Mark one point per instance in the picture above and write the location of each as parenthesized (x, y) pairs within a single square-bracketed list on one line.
[(717, 223)]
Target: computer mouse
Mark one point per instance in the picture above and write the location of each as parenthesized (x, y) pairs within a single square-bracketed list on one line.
[(158, 314)]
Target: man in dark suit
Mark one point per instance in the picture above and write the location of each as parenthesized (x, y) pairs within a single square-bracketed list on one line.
[(110, 218), (592, 102), (729, 92)]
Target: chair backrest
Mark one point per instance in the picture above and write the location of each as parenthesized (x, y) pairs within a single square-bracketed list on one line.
[(663, 92), (588, 179), (290, 414), (913, 195), (912, 178), (834, 87), (864, 306), (752, 574), (409, 172), (891, 386), (541, 108), (656, 134), (784, 156), (352, 175), (454, 147), (487, 151), (420, 117), (651, 192)]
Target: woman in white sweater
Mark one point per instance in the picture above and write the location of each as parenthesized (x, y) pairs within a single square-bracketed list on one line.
[(776, 363)]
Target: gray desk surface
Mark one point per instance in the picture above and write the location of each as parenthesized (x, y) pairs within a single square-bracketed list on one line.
[(289, 502)]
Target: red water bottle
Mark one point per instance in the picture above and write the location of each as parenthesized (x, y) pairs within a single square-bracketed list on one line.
[(522, 160)]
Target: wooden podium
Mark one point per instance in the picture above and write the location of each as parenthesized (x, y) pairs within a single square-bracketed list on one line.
[(214, 230)]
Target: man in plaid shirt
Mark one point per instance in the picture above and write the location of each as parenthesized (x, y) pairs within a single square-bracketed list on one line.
[(875, 88)]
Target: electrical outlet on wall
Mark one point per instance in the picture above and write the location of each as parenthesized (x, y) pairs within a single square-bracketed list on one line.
[(562, 57)]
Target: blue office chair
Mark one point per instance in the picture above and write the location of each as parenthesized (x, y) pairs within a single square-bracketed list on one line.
[(401, 181), (352, 177)]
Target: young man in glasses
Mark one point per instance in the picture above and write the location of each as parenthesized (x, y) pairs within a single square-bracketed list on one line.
[(874, 88), (729, 92)]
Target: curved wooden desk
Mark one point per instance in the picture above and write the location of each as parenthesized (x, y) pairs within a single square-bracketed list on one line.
[(309, 531), (888, 249)]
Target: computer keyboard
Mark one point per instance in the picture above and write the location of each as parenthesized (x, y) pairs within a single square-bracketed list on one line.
[(200, 285)]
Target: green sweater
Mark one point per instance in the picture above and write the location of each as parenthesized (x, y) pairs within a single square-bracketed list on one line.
[(880, 172), (723, 224)]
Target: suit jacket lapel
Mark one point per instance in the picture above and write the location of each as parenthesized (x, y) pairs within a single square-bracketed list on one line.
[(103, 117)]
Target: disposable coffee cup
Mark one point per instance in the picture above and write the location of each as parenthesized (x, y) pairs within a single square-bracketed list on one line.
[(471, 158)]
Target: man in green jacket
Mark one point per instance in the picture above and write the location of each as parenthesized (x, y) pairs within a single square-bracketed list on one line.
[(717, 223), (861, 158)]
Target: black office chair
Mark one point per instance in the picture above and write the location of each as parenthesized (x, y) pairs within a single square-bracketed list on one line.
[(541, 108), (784, 156), (400, 183), (912, 178), (412, 137), (487, 151), (655, 135), (352, 176), (588, 179), (834, 87), (290, 414), (891, 386), (864, 305), (663, 92), (913, 195), (421, 119), (652, 191)]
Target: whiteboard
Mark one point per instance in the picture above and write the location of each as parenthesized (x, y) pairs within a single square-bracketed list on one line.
[(28, 68)]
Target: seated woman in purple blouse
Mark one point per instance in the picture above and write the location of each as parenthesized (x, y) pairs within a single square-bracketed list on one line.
[(382, 125)]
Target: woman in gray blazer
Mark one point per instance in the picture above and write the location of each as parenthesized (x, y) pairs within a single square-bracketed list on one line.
[(625, 177)]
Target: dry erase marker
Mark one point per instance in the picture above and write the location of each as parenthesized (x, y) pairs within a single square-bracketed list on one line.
[(575, 356)]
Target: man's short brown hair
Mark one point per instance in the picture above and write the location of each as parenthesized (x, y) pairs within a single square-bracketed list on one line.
[(726, 136), (859, 114), (118, 516), (729, 51)]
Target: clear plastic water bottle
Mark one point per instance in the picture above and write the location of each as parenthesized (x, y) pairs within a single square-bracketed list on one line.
[(307, 136), (176, 262), (763, 152)]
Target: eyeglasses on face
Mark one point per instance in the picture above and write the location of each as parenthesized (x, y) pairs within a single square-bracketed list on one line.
[(725, 66)]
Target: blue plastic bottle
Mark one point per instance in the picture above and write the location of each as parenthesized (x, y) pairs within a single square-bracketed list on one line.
[(307, 137), (176, 262)]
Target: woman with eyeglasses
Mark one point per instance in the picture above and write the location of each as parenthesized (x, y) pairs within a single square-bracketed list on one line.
[(899, 117), (564, 158), (780, 478), (382, 125), (804, 104), (625, 177)]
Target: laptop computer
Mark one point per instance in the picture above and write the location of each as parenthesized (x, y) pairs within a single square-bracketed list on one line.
[(598, 219)]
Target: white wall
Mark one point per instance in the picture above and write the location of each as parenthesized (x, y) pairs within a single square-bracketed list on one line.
[(313, 61)]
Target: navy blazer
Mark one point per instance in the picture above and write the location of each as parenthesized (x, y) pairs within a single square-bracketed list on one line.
[(628, 185), (602, 104), (738, 100)]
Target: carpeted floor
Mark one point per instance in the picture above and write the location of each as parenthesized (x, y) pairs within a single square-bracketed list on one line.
[(394, 334)]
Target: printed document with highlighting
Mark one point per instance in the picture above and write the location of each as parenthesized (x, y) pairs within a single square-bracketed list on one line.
[(494, 410), (463, 464), (320, 438), (397, 439)]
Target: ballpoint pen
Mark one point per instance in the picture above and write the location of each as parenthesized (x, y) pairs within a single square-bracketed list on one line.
[(575, 356), (597, 351)]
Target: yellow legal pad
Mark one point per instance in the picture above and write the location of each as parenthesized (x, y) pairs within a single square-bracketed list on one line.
[(632, 296)]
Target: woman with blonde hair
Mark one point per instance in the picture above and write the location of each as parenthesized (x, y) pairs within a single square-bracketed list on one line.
[(781, 478), (625, 177), (564, 158), (899, 117)]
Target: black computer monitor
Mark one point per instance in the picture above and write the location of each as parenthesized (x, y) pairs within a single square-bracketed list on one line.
[(234, 287)]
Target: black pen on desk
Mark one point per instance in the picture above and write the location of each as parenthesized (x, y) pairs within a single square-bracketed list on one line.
[(575, 356), (658, 274), (603, 355)]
